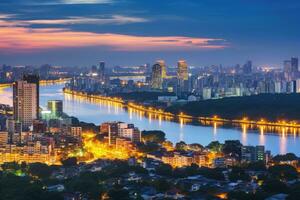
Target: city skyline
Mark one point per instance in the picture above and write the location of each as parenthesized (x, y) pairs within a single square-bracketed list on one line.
[(80, 33)]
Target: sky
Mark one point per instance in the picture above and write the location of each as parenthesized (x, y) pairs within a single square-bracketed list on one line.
[(134, 32)]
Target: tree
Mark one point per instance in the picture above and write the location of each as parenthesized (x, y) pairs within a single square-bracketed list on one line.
[(239, 195), (232, 147), (25, 188), (69, 162), (164, 170), (212, 173), (118, 193), (181, 146), (256, 166), (274, 186), (40, 170), (284, 158), (195, 147), (86, 183), (286, 172), (162, 185), (148, 147), (11, 166), (155, 136), (215, 146), (238, 174)]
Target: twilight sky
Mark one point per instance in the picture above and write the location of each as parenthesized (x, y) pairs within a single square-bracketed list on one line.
[(132, 32)]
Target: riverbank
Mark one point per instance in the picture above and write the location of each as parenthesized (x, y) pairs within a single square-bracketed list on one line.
[(42, 82), (184, 118)]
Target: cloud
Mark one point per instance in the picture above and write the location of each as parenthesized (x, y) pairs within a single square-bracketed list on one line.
[(17, 36), (55, 2), (85, 1), (114, 19), (25, 39)]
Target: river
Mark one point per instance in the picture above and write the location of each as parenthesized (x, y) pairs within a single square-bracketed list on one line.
[(277, 143)]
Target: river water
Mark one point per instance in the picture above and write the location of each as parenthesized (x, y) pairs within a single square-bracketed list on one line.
[(277, 143)]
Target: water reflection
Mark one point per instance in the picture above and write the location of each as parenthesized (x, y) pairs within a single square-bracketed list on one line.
[(276, 139), (261, 135)]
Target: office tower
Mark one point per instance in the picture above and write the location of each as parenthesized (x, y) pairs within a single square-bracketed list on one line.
[(34, 79), (113, 133), (278, 87), (56, 108), (247, 68), (287, 69), (26, 100), (260, 153), (253, 154), (163, 68), (100, 71), (39, 126), (294, 64), (182, 75), (94, 69), (76, 131), (248, 153), (3, 138), (206, 93), (182, 72), (156, 78)]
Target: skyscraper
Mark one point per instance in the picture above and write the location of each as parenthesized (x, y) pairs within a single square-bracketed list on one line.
[(294, 64), (26, 100), (113, 132), (182, 71), (100, 70), (163, 67), (34, 79), (56, 108), (287, 68), (182, 76), (157, 76), (247, 68)]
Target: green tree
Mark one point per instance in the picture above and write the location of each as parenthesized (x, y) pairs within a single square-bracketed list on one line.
[(274, 186), (69, 162), (238, 174), (162, 185), (118, 194), (181, 146), (155, 136), (286, 172), (164, 170), (215, 146), (40, 170)]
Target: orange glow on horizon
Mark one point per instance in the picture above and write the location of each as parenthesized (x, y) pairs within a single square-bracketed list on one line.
[(15, 38)]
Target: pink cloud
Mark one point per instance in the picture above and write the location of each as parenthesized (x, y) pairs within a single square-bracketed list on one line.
[(15, 39)]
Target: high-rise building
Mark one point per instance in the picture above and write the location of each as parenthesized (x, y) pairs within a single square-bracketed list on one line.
[(287, 69), (290, 68), (206, 93), (34, 79), (156, 77), (247, 68), (182, 71), (3, 138), (182, 76), (253, 154), (26, 100), (100, 71), (163, 68), (113, 133), (260, 153), (56, 108), (294, 64), (297, 86)]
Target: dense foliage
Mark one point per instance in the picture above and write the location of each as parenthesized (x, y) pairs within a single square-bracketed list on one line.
[(255, 107)]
